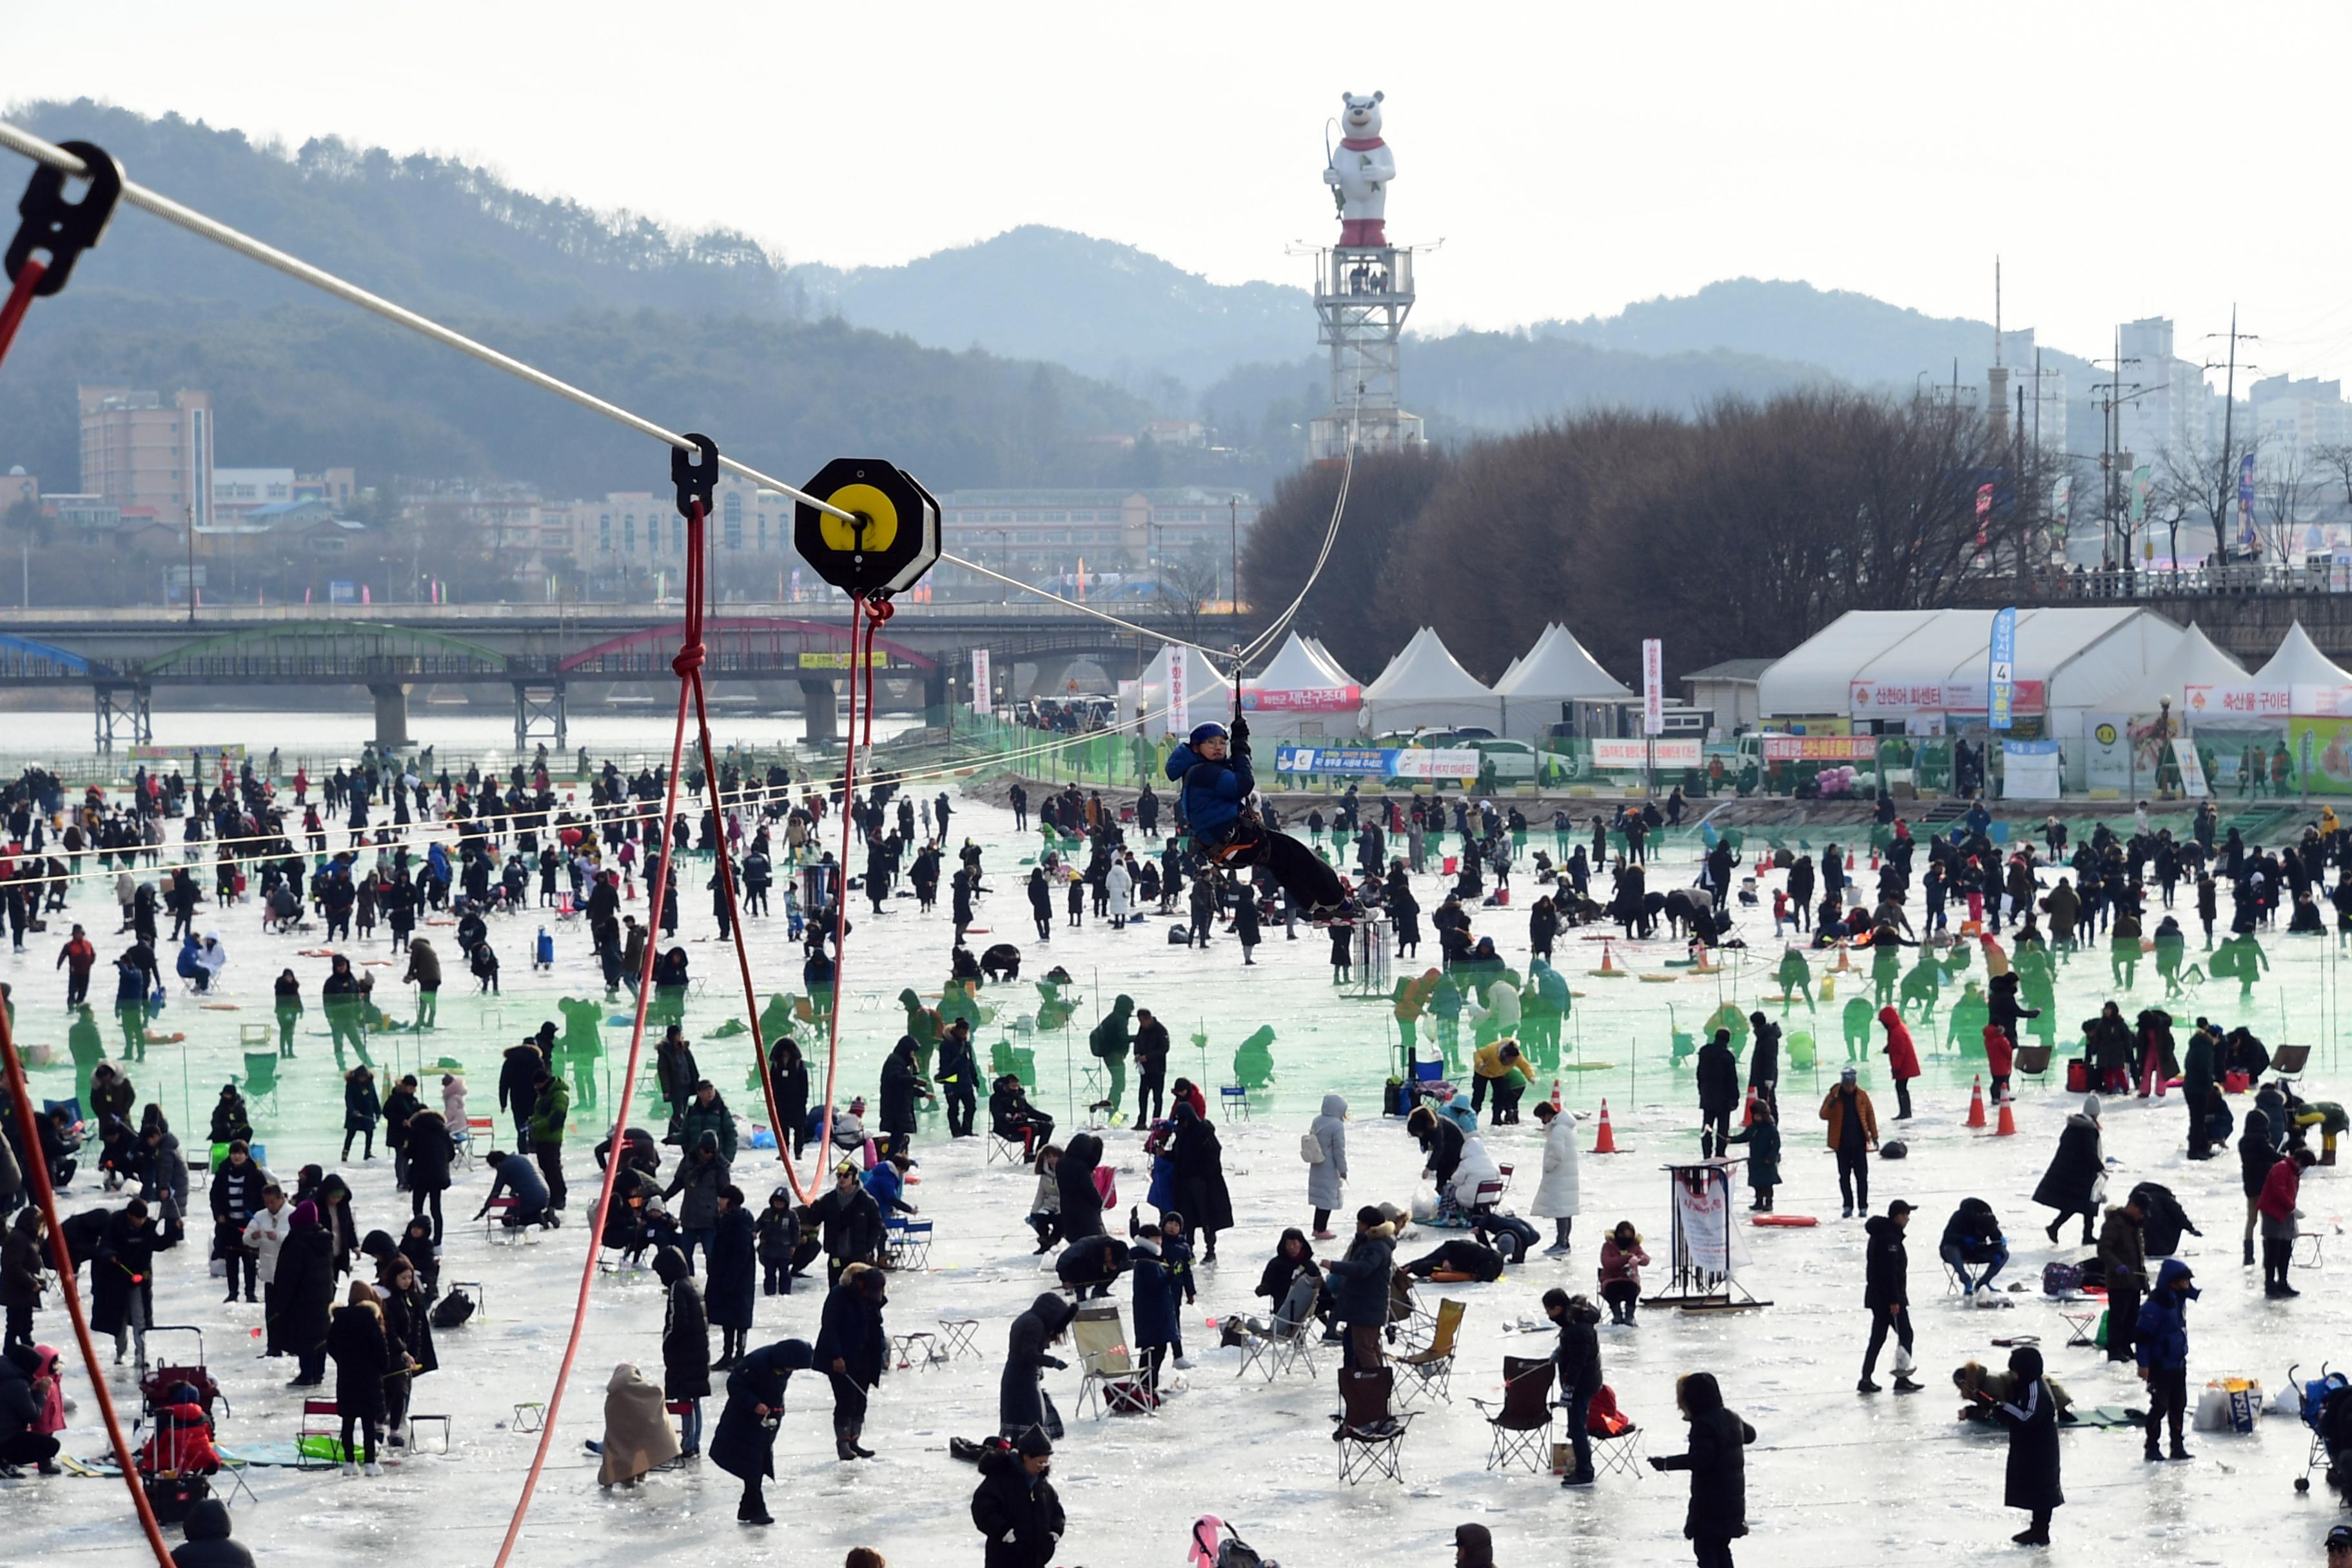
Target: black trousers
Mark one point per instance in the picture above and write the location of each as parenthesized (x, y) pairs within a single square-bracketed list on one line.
[(551, 1166), (2123, 1316), (1853, 1178), (1883, 1319), (2167, 1401), (961, 1103), (1713, 1133), (848, 1405), (1310, 883), (419, 1200), (1150, 1091)]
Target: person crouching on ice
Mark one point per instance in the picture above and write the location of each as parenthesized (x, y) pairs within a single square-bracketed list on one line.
[(1213, 769)]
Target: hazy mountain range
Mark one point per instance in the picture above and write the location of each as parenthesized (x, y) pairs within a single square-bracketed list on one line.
[(1005, 361)]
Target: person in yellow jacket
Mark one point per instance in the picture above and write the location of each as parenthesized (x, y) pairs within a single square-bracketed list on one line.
[(2327, 823), (1502, 1068)]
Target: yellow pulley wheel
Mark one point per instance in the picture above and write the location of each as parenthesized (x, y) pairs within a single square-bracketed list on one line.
[(881, 515)]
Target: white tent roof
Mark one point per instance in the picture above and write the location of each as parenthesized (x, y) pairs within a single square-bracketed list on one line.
[(1540, 684), (1295, 667), (1559, 667), (2083, 656), (2194, 660), (1424, 686), (2299, 662), (1207, 693)]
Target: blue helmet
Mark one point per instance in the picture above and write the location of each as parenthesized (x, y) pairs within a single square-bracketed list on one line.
[(1212, 731)]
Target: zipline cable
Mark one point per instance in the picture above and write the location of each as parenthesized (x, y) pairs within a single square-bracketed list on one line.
[(55, 157)]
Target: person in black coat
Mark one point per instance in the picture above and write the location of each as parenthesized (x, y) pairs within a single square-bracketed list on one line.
[(356, 1339), (304, 1291), (122, 1280), (732, 1284), (1441, 1141), (1718, 1464), (1764, 1060), (790, 1076), (1718, 1093), (1579, 1372), (1088, 1267), (1074, 1179), (407, 1341), (1015, 1508), (1199, 1178), (1886, 1292), (685, 1343), (208, 1544), (902, 1085), (958, 1078), (850, 1221), (851, 1345), (2069, 1184), (430, 1154), (1022, 1401), (745, 1444), (2032, 1420), (2257, 1152)]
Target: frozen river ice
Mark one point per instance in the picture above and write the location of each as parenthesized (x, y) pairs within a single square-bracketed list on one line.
[(1835, 1478)]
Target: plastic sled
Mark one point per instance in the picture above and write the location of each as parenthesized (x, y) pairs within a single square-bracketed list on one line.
[(1784, 1221)]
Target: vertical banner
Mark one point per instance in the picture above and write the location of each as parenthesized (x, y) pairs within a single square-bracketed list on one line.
[(2246, 500), (2000, 669), (1180, 703), (1984, 513), (2192, 770), (983, 694), (1654, 688)]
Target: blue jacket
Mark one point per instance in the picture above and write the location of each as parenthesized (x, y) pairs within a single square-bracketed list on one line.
[(888, 1189), (1213, 792), (2163, 1336), (1156, 1315)]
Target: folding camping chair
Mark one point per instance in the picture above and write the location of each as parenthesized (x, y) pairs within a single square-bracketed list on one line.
[(2034, 1060), (1006, 1151), (956, 1338), (1232, 1099), (1286, 1340), (1432, 1366), (1522, 1422), (907, 1243), (1369, 1435), (1616, 1441), (260, 1085), (1409, 1325), (1110, 1377), (321, 1418), (2288, 1061)]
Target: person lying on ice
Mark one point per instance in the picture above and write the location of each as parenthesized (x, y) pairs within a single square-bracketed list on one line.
[(1213, 769)]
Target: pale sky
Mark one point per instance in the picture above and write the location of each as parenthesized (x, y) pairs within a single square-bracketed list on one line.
[(2124, 160)]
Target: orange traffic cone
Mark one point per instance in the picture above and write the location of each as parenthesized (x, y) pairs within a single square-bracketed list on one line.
[(1555, 1092), (1605, 1141), (1845, 961), (1873, 859), (1748, 1111), (1976, 1103), (1608, 970), (1701, 965), (2007, 1126)]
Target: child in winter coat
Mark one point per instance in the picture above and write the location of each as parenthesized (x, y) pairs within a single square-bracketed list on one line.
[(1762, 1137), (1178, 1255), (779, 1233), (1156, 1314)]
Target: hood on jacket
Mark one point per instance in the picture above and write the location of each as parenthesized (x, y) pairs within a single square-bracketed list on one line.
[(1880, 1224), (1085, 1150), (2091, 1106), (1335, 1106), (306, 1217), (2026, 1363), (2171, 1273), (706, 1145), (1054, 1310), (1886, 1016), (669, 1265), (1699, 1394), (208, 1521)]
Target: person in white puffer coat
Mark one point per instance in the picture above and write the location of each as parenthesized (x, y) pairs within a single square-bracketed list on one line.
[(1327, 1178), (1557, 1197)]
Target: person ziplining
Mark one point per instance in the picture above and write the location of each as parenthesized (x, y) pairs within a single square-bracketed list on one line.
[(1213, 767)]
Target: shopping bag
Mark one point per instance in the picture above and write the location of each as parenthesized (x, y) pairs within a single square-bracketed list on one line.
[(2099, 1337), (2213, 1409)]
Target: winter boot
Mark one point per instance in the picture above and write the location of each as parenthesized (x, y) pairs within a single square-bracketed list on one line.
[(2152, 1453), (2248, 1259), (2179, 1452), (1866, 1387)]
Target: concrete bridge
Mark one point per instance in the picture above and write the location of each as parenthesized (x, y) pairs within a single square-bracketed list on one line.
[(2247, 609), (543, 654)]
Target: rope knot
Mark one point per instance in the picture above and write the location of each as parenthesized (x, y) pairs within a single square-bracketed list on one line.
[(880, 610), (689, 660)]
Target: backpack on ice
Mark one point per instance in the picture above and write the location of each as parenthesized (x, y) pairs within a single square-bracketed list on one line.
[(452, 1309), (2060, 1279)]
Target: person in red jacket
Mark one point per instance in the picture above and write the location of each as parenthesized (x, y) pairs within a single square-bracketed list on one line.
[(2276, 1207), (2001, 1055), (76, 958), (1902, 1060)]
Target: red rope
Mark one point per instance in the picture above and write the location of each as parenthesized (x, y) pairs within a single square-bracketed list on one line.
[(60, 1257), (20, 298), (692, 657)]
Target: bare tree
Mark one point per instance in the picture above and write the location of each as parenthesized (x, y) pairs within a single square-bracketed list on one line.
[(2279, 492), (2204, 486)]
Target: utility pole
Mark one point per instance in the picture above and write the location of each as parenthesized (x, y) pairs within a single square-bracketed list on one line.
[(1234, 535), (2110, 439), (2229, 425)]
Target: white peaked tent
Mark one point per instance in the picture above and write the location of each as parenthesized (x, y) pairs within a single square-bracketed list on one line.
[(2299, 662), (2195, 660), (1299, 693), (1424, 687), (1207, 694), (1538, 687), (1331, 666)]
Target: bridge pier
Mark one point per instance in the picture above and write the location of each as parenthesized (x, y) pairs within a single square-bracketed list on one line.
[(1048, 673), (935, 691), (541, 715), (390, 715), (123, 712), (818, 711)]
